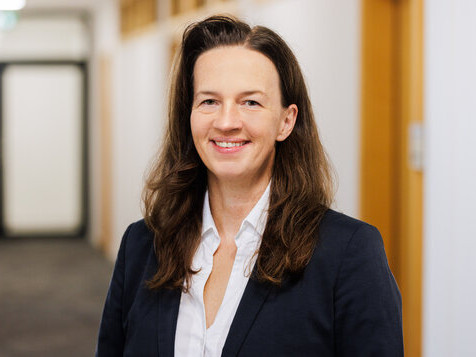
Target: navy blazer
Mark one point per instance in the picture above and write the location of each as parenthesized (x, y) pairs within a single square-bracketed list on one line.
[(345, 303)]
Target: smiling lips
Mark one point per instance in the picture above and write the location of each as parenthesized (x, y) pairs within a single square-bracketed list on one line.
[(229, 145)]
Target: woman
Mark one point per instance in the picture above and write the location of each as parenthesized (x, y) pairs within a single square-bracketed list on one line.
[(239, 253)]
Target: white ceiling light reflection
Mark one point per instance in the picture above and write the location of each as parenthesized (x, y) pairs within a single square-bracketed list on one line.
[(11, 5)]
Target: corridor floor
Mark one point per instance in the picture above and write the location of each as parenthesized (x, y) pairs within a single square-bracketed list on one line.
[(51, 296)]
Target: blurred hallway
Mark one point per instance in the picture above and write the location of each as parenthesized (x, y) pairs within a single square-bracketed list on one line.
[(83, 107), (51, 297)]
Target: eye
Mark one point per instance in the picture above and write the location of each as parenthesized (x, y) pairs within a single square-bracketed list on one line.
[(209, 102), (251, 103)]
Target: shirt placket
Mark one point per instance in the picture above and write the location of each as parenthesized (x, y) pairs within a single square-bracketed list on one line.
[(210, 249)]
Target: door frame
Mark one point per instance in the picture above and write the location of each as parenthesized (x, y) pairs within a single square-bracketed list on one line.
[(81, 231)]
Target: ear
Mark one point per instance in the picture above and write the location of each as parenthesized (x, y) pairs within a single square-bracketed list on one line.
[(288, 119)]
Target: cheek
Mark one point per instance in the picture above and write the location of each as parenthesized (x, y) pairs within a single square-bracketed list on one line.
[(266, 128), (196, 126)]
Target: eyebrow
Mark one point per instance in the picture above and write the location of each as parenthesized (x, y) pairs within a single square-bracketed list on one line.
[(245, 93)]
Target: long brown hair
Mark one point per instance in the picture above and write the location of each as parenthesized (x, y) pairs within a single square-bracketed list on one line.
[(301, 188)]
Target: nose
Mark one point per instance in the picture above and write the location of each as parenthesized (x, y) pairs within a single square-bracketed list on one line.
[(228, 118)]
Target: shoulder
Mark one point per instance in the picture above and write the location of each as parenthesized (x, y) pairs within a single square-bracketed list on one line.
[(367, 302), (137, 239), (336, 222), (135, 261), (139, 229), (136, 251), (354, 252), (343, 241), (341, 231)]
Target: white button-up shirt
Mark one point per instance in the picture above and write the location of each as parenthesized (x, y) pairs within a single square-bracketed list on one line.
[(192, 338)]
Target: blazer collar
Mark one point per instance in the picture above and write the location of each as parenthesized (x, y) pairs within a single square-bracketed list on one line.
[(167, 314), (250, 305), (251, 302), (166, 304)]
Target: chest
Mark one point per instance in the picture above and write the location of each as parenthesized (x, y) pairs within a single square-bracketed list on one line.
[(217, 282)]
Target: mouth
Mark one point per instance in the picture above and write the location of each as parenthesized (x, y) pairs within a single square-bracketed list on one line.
[(229, 144)]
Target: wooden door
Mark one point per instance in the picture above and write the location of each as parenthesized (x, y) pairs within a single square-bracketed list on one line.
[(391, 172)]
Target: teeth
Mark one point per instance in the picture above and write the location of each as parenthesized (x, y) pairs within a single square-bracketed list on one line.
[(226, 144)]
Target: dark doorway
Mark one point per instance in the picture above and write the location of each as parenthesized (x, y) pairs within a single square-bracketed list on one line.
[(43, 143)]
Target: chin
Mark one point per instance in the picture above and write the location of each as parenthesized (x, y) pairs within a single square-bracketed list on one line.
[(230, 174)]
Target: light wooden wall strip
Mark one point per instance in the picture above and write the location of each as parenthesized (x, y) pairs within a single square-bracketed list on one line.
[(105, 76), (411, 179), (392, 101), (378, 176)]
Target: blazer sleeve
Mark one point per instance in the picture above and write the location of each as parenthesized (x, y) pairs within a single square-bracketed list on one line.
[(368, 307), (111, 332)]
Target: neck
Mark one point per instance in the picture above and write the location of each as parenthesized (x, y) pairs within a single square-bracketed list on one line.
[(231, 202)]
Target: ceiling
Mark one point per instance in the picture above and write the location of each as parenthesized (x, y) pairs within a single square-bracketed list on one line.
[(61, 4)]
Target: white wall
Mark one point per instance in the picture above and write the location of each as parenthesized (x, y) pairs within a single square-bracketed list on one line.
[(105, 40), (140, 75), (139, 71), (45, 37), (450, 177)]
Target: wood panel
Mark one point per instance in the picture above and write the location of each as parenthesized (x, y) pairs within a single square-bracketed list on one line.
[(137, 14), (378, 178), (392, 101), (179, 7), (410, 13), (105, 77)]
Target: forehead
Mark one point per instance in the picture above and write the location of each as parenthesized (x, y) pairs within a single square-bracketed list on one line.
[(235, 67)]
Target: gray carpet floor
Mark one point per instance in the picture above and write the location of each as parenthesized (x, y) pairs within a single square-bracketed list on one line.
[(51, 296)]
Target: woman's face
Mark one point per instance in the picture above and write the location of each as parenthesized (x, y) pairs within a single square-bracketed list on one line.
[(237, 115)]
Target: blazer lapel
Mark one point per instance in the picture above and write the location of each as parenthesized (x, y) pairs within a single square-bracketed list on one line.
[(167, 303), (167, 314), (253, 298)]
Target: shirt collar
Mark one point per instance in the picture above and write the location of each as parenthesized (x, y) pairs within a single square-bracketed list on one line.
[(256, 219), (259, 214), (207, 219)]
